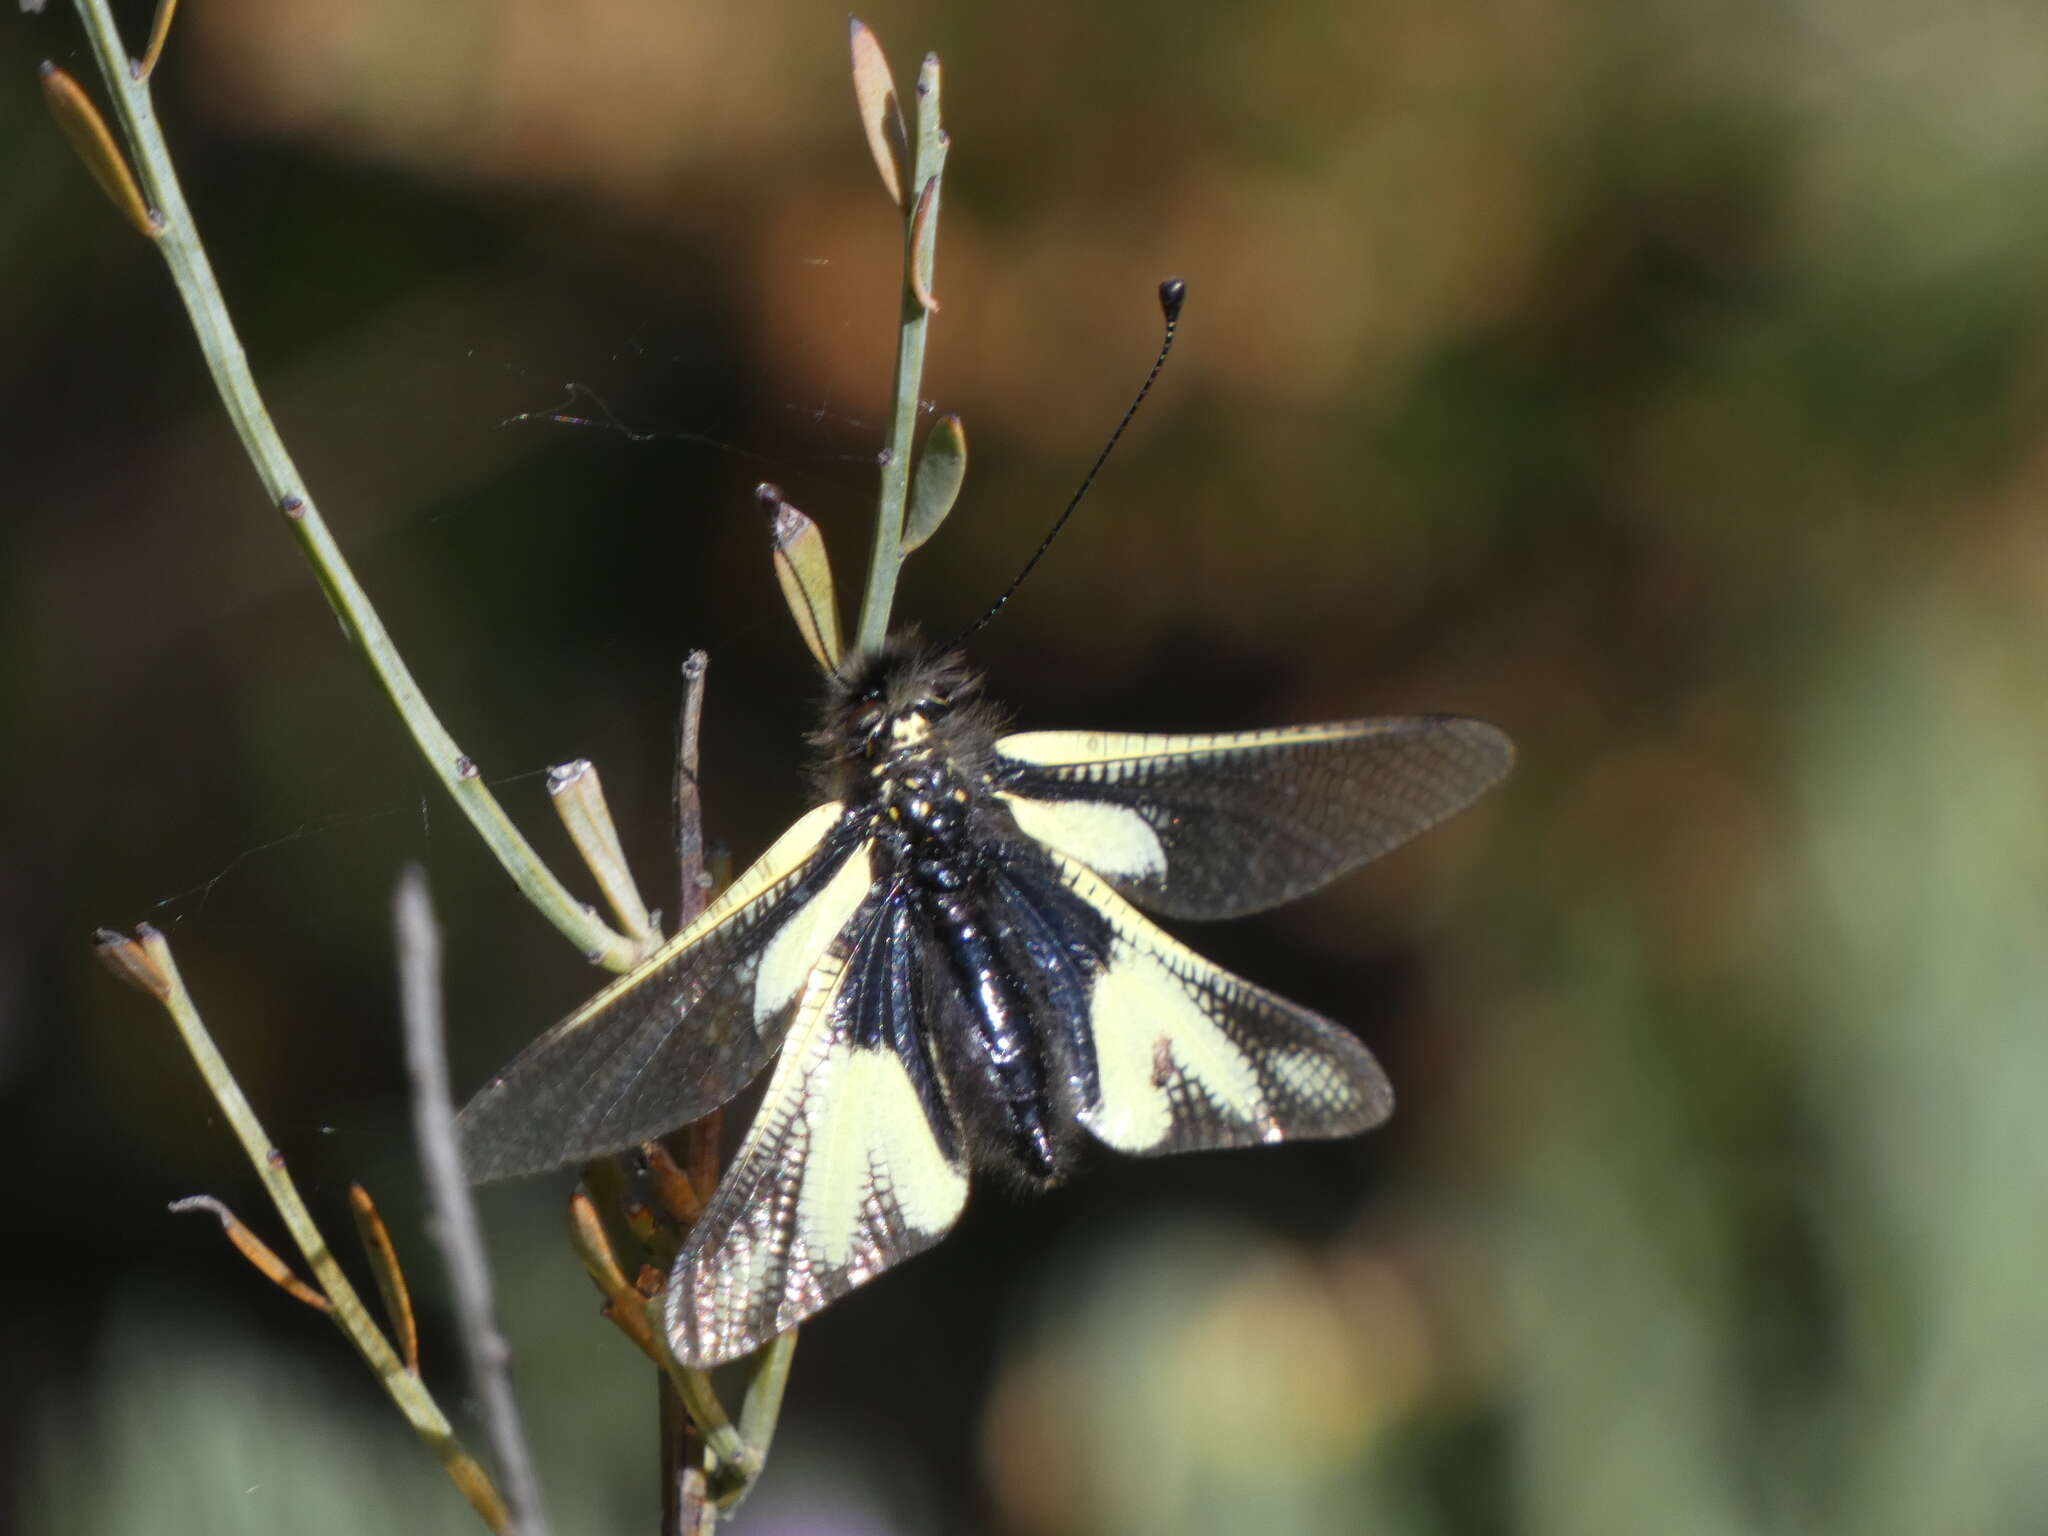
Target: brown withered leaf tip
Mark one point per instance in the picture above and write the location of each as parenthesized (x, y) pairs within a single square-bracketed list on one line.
[(131, 960), (881, 115)]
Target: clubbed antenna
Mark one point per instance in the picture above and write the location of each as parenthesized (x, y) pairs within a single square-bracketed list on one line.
[(1172, 293)]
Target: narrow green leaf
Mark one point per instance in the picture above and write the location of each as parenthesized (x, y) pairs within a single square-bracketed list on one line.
[(805, 575), (940, 470)]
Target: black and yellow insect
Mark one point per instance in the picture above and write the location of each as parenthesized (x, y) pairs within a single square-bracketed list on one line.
[(950, 954)]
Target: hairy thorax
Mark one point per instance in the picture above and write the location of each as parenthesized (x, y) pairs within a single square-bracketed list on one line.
[(923, 807)]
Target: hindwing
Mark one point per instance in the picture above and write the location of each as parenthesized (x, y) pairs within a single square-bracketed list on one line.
[(852, 1162), (675, 1038), (1186, 1056), (1218, 826)]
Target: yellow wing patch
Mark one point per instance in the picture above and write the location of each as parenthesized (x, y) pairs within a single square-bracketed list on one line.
[(1189, 1056), (783, 857), (1152, 1040), (1110, 839), (794, 951)]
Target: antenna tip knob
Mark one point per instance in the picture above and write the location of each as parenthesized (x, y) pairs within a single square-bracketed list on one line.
[(769, 496), (1172, 294)]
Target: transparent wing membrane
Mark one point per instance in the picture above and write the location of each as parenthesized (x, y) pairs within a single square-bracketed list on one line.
[(674, 1039), (1218, 826)]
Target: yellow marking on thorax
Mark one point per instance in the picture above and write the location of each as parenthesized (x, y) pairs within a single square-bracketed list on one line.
[(908, 730)]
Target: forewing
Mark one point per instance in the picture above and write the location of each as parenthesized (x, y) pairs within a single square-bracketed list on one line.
[(677, 1037), (1218, 826), (852, 1162), (1187, 1056)]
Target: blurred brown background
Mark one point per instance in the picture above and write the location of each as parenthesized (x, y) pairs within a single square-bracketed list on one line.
[(1663, 382)]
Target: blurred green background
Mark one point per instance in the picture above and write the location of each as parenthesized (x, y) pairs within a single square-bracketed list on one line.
[(1663, 382)]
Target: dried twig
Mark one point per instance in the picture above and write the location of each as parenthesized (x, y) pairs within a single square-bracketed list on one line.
[(452, 1214), (693, 883), (686, 1507)]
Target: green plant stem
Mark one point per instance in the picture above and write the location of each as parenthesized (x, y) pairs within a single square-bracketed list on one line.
[(762, 1408), (345, 1307), (178, 239), (708, 1413), (929, 163)]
